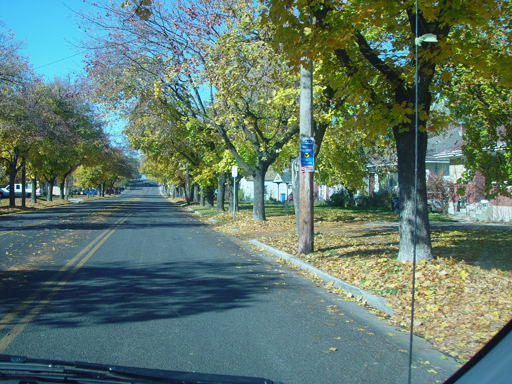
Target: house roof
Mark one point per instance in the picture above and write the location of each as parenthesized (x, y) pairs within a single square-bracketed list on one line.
[(448, 144), (283, 177), (271, 175)]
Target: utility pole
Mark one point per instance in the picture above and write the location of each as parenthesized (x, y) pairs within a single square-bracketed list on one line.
[(306, 223)]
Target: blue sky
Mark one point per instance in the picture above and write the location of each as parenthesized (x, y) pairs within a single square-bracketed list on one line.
[(50, 32), (48, 28)]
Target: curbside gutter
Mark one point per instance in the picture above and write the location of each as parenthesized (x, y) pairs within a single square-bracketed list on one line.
[(375, 301)]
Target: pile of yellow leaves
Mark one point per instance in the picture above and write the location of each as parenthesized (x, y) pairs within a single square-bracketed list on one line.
[(462, 298)]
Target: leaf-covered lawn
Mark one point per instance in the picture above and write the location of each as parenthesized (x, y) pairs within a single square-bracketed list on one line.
[(462, 298), (41, 203)]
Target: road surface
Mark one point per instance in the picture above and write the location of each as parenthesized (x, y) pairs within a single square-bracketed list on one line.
[(137, 281)]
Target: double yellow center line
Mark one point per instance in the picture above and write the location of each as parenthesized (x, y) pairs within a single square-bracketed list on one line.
[(58, 280)]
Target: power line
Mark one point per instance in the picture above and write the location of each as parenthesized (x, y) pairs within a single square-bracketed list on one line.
[(58, 61)]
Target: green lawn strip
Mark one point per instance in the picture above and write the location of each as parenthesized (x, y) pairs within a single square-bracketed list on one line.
[(369, 214)]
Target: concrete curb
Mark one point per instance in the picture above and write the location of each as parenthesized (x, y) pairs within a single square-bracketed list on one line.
[(371, 299)]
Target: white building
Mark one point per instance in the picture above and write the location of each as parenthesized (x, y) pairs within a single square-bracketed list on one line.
[(277, 186)]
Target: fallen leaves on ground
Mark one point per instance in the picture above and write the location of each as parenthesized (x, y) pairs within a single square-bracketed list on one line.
[(462, 298), (40, 204)]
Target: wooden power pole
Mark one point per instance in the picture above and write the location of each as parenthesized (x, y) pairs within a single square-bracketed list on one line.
[(306, 223)]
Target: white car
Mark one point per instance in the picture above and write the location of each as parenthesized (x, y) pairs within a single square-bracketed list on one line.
[(5, 192)]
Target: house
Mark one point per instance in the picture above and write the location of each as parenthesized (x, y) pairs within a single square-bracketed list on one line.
[(277, 186), (473, 204), (435, 162)]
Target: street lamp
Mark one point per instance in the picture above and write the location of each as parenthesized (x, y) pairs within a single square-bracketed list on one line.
[(427, 38)]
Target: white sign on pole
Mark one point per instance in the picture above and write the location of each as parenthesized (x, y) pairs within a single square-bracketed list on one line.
[(234, 171)]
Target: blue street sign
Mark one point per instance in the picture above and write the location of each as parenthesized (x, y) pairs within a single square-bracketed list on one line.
[(307, 158)]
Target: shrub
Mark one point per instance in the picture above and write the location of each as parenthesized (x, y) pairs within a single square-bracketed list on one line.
[(340, 198), (380, 199), (438, 192)]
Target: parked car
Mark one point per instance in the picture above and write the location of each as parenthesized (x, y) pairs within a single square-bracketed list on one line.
[(6, 191)]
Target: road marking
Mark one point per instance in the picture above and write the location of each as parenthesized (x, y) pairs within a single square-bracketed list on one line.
[(16, 330), (21, 307)]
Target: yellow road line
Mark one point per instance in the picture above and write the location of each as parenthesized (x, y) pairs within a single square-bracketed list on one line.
[(15, 331), (21, 307)]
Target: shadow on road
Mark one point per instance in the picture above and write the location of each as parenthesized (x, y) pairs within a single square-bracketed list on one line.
[(90, 217), (115, 293)]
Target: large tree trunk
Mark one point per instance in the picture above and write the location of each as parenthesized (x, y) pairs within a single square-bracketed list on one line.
[(187, 186), (12, 177), (258, 208), (51, 183), (62, 187), (210, 196), (221, 191), (201, 199), (196, 193), (23, 183), (33, 197), (405, 146)]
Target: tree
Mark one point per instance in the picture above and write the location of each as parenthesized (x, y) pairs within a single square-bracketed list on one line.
[(20, 108), (112, 166), (187, 51), (168, 139), (72, 135), (256, 101), (486, 112), (367, 52)]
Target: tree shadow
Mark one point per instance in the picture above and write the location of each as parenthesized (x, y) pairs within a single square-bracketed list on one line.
[(485, 247), (84, 216), (117, 293), (371, 244)]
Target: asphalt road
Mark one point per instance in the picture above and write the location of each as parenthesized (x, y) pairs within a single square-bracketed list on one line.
[(136, 281)]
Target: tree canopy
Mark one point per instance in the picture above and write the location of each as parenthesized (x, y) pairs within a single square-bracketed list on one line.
[(366, 53)]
